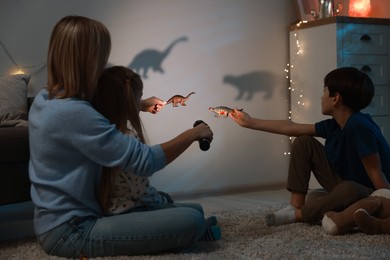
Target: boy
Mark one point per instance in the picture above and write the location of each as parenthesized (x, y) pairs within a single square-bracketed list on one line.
[(353, 162)]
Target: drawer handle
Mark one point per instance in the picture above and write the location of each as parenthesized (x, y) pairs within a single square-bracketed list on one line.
[(365, 38), (366, 69)]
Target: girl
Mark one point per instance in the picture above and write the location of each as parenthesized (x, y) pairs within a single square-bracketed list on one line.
[(118, 97)]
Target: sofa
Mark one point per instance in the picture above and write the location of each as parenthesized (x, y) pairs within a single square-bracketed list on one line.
[(14, 146)]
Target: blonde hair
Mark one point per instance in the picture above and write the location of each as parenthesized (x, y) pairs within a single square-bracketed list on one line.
[(117, 97), (78, 52)]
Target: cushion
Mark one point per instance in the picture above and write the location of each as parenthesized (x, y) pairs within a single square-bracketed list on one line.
[(13, 100)]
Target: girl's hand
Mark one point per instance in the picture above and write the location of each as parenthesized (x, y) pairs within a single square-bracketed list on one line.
[(152, 105)]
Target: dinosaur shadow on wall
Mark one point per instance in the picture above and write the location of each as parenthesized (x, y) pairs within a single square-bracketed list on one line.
[(251, 83), (152, 59)]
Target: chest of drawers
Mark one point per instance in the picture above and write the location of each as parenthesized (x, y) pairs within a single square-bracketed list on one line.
[(318, 47)]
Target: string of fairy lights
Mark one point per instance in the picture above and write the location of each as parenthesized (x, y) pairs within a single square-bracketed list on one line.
[(299, 97), (20, 69)]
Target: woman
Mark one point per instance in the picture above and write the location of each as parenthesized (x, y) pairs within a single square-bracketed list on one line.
[(70, 142)]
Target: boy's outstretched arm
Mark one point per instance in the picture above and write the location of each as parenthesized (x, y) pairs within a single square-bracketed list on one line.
[(284, 127)]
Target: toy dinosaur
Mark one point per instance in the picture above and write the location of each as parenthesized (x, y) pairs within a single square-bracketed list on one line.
[(179, 99), (221, 111)]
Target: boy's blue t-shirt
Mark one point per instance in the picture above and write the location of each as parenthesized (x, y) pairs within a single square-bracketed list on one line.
[(345, 147)]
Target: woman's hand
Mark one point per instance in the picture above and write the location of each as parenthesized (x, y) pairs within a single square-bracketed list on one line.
[(152, 105), (203, 131), (180, 143)]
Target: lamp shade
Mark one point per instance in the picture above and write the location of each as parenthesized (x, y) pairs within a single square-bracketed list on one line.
[(359, 8)]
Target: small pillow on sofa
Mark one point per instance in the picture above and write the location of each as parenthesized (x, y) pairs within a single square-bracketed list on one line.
[(13, 99)]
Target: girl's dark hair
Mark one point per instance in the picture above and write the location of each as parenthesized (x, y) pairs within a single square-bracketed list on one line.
[(117, 97), (354, 86)]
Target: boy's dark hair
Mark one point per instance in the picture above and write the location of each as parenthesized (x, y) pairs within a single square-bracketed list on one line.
[(354, 86)]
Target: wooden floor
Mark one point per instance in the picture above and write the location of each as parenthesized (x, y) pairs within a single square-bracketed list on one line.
[(16, 219)]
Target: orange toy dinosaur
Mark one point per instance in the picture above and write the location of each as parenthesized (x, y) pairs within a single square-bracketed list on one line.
[(179, 99)]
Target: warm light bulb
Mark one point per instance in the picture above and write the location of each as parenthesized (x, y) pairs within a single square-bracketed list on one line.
[(19, 71)]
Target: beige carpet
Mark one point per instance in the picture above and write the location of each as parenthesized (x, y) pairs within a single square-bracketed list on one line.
[(245, 236)]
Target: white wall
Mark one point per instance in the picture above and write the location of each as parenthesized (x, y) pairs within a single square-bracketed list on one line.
[(225, 38)]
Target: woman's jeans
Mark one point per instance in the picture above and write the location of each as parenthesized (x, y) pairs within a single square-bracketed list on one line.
[(134, 233)]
